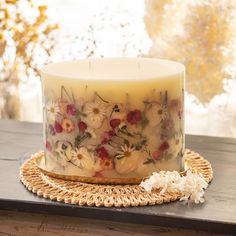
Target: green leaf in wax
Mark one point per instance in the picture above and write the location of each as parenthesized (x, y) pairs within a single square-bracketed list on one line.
[(79, 114), (126, 142), (147, 105), (138, 134), (77, 141), (80, 138), (125, 131), (78, 117), (139, 145), (168, 156), (149, 161), (144, 121)]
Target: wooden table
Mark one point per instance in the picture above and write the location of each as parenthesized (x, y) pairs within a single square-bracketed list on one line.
[(23, 213)]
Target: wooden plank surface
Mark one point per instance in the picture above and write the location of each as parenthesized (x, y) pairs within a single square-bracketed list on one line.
[(25, 224), (18, 140)]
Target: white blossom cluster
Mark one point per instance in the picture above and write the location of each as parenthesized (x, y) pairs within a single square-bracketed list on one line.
[(191, 186)]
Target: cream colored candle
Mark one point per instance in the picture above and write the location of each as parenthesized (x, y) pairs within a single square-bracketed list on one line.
[(113, 118)]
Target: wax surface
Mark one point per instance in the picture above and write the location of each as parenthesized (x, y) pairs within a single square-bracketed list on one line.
[(116, 118), (114, 69)]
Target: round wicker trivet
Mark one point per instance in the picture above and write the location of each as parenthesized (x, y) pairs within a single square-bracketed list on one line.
[(103, 195)]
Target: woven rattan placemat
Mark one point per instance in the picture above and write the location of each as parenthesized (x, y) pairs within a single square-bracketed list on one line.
[(74, 192)]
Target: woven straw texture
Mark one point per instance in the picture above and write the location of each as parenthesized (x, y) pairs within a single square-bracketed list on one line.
[(99, 195)]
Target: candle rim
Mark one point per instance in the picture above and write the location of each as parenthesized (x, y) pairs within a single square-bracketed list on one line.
[(50, 70)]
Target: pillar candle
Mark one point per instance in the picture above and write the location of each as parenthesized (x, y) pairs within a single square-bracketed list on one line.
[(119, 118)]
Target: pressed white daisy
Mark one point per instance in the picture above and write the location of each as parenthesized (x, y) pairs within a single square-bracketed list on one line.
[(82, 158), (127, 160), (125, 152), (96, 112), (52, 109), (156, 113)]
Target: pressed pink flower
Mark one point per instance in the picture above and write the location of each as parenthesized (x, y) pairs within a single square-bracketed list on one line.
[(102, 152), (58, 128), (167, 124), (67, 125), (82, 126), (71, 109), (156, 155), (180, 113), (98, 174), (175, 103), (176, 106), (51, 130), (133, 117), (115, 123), (48, 146), (107, 136), (164, 146), (163, 136), (107, 163)]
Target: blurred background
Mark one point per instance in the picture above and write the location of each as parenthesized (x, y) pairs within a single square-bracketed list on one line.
[(198, 33)]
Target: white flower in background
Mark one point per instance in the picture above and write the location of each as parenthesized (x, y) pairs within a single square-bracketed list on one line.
[(175, 144), (96, 112), (190, 186), (156, 113), (127, 160), (52, 109), (63, 149), (82, 158)]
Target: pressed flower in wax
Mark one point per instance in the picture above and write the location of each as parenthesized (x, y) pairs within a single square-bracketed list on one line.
[(95, 113), (127, 159), (82, 158), (123, 143), (52, 110), (67, 125)]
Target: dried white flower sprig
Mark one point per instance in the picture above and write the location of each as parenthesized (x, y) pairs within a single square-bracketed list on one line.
[(191, 186)]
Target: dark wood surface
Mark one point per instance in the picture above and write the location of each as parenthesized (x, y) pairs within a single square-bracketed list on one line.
[(18, 140)]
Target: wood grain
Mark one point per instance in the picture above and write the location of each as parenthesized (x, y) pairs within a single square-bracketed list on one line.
[(19, 140), (22, 224)]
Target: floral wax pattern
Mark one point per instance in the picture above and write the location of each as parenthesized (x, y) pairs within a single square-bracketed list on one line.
[(99, 138)]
